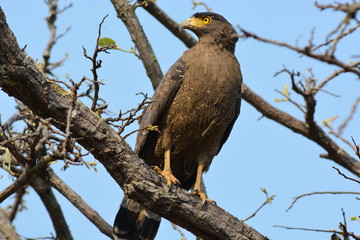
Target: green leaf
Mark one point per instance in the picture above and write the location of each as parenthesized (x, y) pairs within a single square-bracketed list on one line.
[(106, 42)]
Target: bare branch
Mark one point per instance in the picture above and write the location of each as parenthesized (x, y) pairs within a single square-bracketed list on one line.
[(357, 147), (316, 193), (330, 59), (268, 200), (25, 176), (126, 13), (78, 202), (52, 206), (346, 177), (195, 4), (51, 19), (350, 116)]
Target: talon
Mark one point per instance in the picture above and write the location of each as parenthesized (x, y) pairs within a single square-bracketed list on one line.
[(202, 196), (170, 178)]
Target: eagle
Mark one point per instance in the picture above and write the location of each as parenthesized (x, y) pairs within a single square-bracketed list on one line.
[(194, 108)]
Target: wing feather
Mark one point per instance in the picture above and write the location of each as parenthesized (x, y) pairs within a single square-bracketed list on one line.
[(160, 101)]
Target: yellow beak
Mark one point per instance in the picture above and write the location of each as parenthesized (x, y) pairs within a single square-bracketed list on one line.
[(191, 23)]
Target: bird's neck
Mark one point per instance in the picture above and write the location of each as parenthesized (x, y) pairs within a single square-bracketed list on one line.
[(224, 41)]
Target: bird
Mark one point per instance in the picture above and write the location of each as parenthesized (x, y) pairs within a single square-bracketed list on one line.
[(194, 109)]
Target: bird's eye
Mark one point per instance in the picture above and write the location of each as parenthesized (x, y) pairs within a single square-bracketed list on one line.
[(206, 20)]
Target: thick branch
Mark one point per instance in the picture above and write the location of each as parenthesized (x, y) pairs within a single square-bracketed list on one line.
[(19, 77), (126, 12), (315, 133)]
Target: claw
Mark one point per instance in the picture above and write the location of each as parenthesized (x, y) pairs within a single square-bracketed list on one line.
[(202, 196), (170, 178)]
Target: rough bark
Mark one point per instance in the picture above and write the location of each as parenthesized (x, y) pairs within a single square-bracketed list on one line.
[(19, 77)]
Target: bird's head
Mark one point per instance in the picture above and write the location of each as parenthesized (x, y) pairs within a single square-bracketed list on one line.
[(212, 25)]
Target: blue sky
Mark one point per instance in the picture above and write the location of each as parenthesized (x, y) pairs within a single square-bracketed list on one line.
[(259, 153)]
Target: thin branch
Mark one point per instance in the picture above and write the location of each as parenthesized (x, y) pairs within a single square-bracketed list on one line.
[(96, 64), (350, 116), (346, 177), (316, 193), (25, 176), (196, 3), (306, 51), (52, 206), (78, 202), (268, 200), (169, 23), (51, 19), (357, 147), (309, 229)]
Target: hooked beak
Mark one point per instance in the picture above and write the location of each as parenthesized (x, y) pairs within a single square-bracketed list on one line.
[(190, 23)]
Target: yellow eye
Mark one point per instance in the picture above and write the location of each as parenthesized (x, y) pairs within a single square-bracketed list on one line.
[(206, 20)]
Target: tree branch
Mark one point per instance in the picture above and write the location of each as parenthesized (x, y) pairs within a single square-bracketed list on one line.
[(52, 206), (169, 23), (19, 77), (126, 12), (78, 202)]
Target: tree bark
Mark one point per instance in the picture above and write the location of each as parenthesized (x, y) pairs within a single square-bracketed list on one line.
[(20, 77)]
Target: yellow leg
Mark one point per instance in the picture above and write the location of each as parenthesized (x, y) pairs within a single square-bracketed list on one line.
[(167, 170), (197, 185)]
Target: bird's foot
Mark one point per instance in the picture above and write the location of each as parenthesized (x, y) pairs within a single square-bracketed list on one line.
[(202, 196), (170, 178)]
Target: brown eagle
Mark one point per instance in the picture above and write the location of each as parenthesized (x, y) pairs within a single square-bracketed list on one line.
[(195, 107)]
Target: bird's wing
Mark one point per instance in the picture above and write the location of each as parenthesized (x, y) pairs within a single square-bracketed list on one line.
[(230, 126), (160, 101)]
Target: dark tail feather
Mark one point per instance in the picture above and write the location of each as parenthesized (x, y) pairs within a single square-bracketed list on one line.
[(135, 222)]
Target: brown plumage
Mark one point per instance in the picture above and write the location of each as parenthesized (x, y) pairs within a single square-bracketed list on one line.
[(195, 107)]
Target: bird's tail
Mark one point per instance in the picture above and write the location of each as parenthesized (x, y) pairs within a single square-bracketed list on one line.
[(133, 222)]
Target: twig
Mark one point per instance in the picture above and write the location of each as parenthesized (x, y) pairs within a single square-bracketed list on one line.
[(351, 30), (350, 116), (315, 193), (309, 229), (195, 4), (51, 19), (169, 23), (175, 227), (307, 51), (268, 200), (357, 147), (25, 176), (346, 177), (96, 65)]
